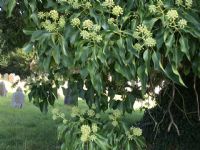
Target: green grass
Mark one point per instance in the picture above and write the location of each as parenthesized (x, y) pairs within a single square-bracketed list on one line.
[(26, 129), (29, 129)]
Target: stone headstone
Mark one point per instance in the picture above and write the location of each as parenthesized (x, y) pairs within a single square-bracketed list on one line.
[(5, 77), (3, 90), (68, 98), (11, 78), (18, 98), (0, 76)]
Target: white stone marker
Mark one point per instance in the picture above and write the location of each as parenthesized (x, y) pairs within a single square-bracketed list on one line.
[(3, 91), (18, 98)]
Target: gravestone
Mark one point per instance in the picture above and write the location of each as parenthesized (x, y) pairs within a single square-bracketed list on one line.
[(0, 76), (11, 78), (3, 90), (68, 98), (18, 98), (5, 77)]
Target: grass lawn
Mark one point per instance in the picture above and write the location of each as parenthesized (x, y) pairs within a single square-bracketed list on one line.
[(29, 129)]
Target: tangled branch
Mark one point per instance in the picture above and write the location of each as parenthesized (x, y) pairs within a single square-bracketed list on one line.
[(170, 114)]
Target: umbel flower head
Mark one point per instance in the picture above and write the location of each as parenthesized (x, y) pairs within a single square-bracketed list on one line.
[(152, 8), (143, 30), (75, 22), (150, 42), (54, 14), (136, 131), (179, 2), (85, 35), (188, 3), (87, 24), (111, 21), (61, 22), (91, 113), (108, 3), (182, 23), (85, 130), (172, 15), (117, 11)]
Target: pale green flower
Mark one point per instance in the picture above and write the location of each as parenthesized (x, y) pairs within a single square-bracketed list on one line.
[(54, 117), (98, 38), (88, 5), (75, 112), (85, 35), (179, 2), (142, 29), (152, 8), (64, 121), (117, 113), (87, 24), (93, 137), (188, 3), (61, 22), (117, 11), (114, 123), (137, 131), (85, 129), (55, 111), (96, 28), (91, 113), (160, 3), (41, 15), (62, 115), (94, 128), (84, 138), (50, 26), (108, 3), (76, 5), (150, 42), (172, 15), (111, 21), (138, 47), (54, 14), (75, 22), (182, 23)]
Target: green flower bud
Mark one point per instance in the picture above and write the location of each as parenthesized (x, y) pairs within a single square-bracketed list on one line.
[(75, 22), (117, 11), (182, 23)]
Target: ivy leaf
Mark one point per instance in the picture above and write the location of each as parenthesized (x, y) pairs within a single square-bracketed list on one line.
[(10, 6), (56, 54), (185, 46)]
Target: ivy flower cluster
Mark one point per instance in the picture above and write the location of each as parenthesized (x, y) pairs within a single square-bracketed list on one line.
[(133, 132), (115, 116), (144, 36), (185, 3), (88, 30), (76, 4), (174, 21), (51, 21), (88, 133), (116, 9), (57, 114)]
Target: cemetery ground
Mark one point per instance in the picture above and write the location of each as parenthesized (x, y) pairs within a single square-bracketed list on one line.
[(29, 129)]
